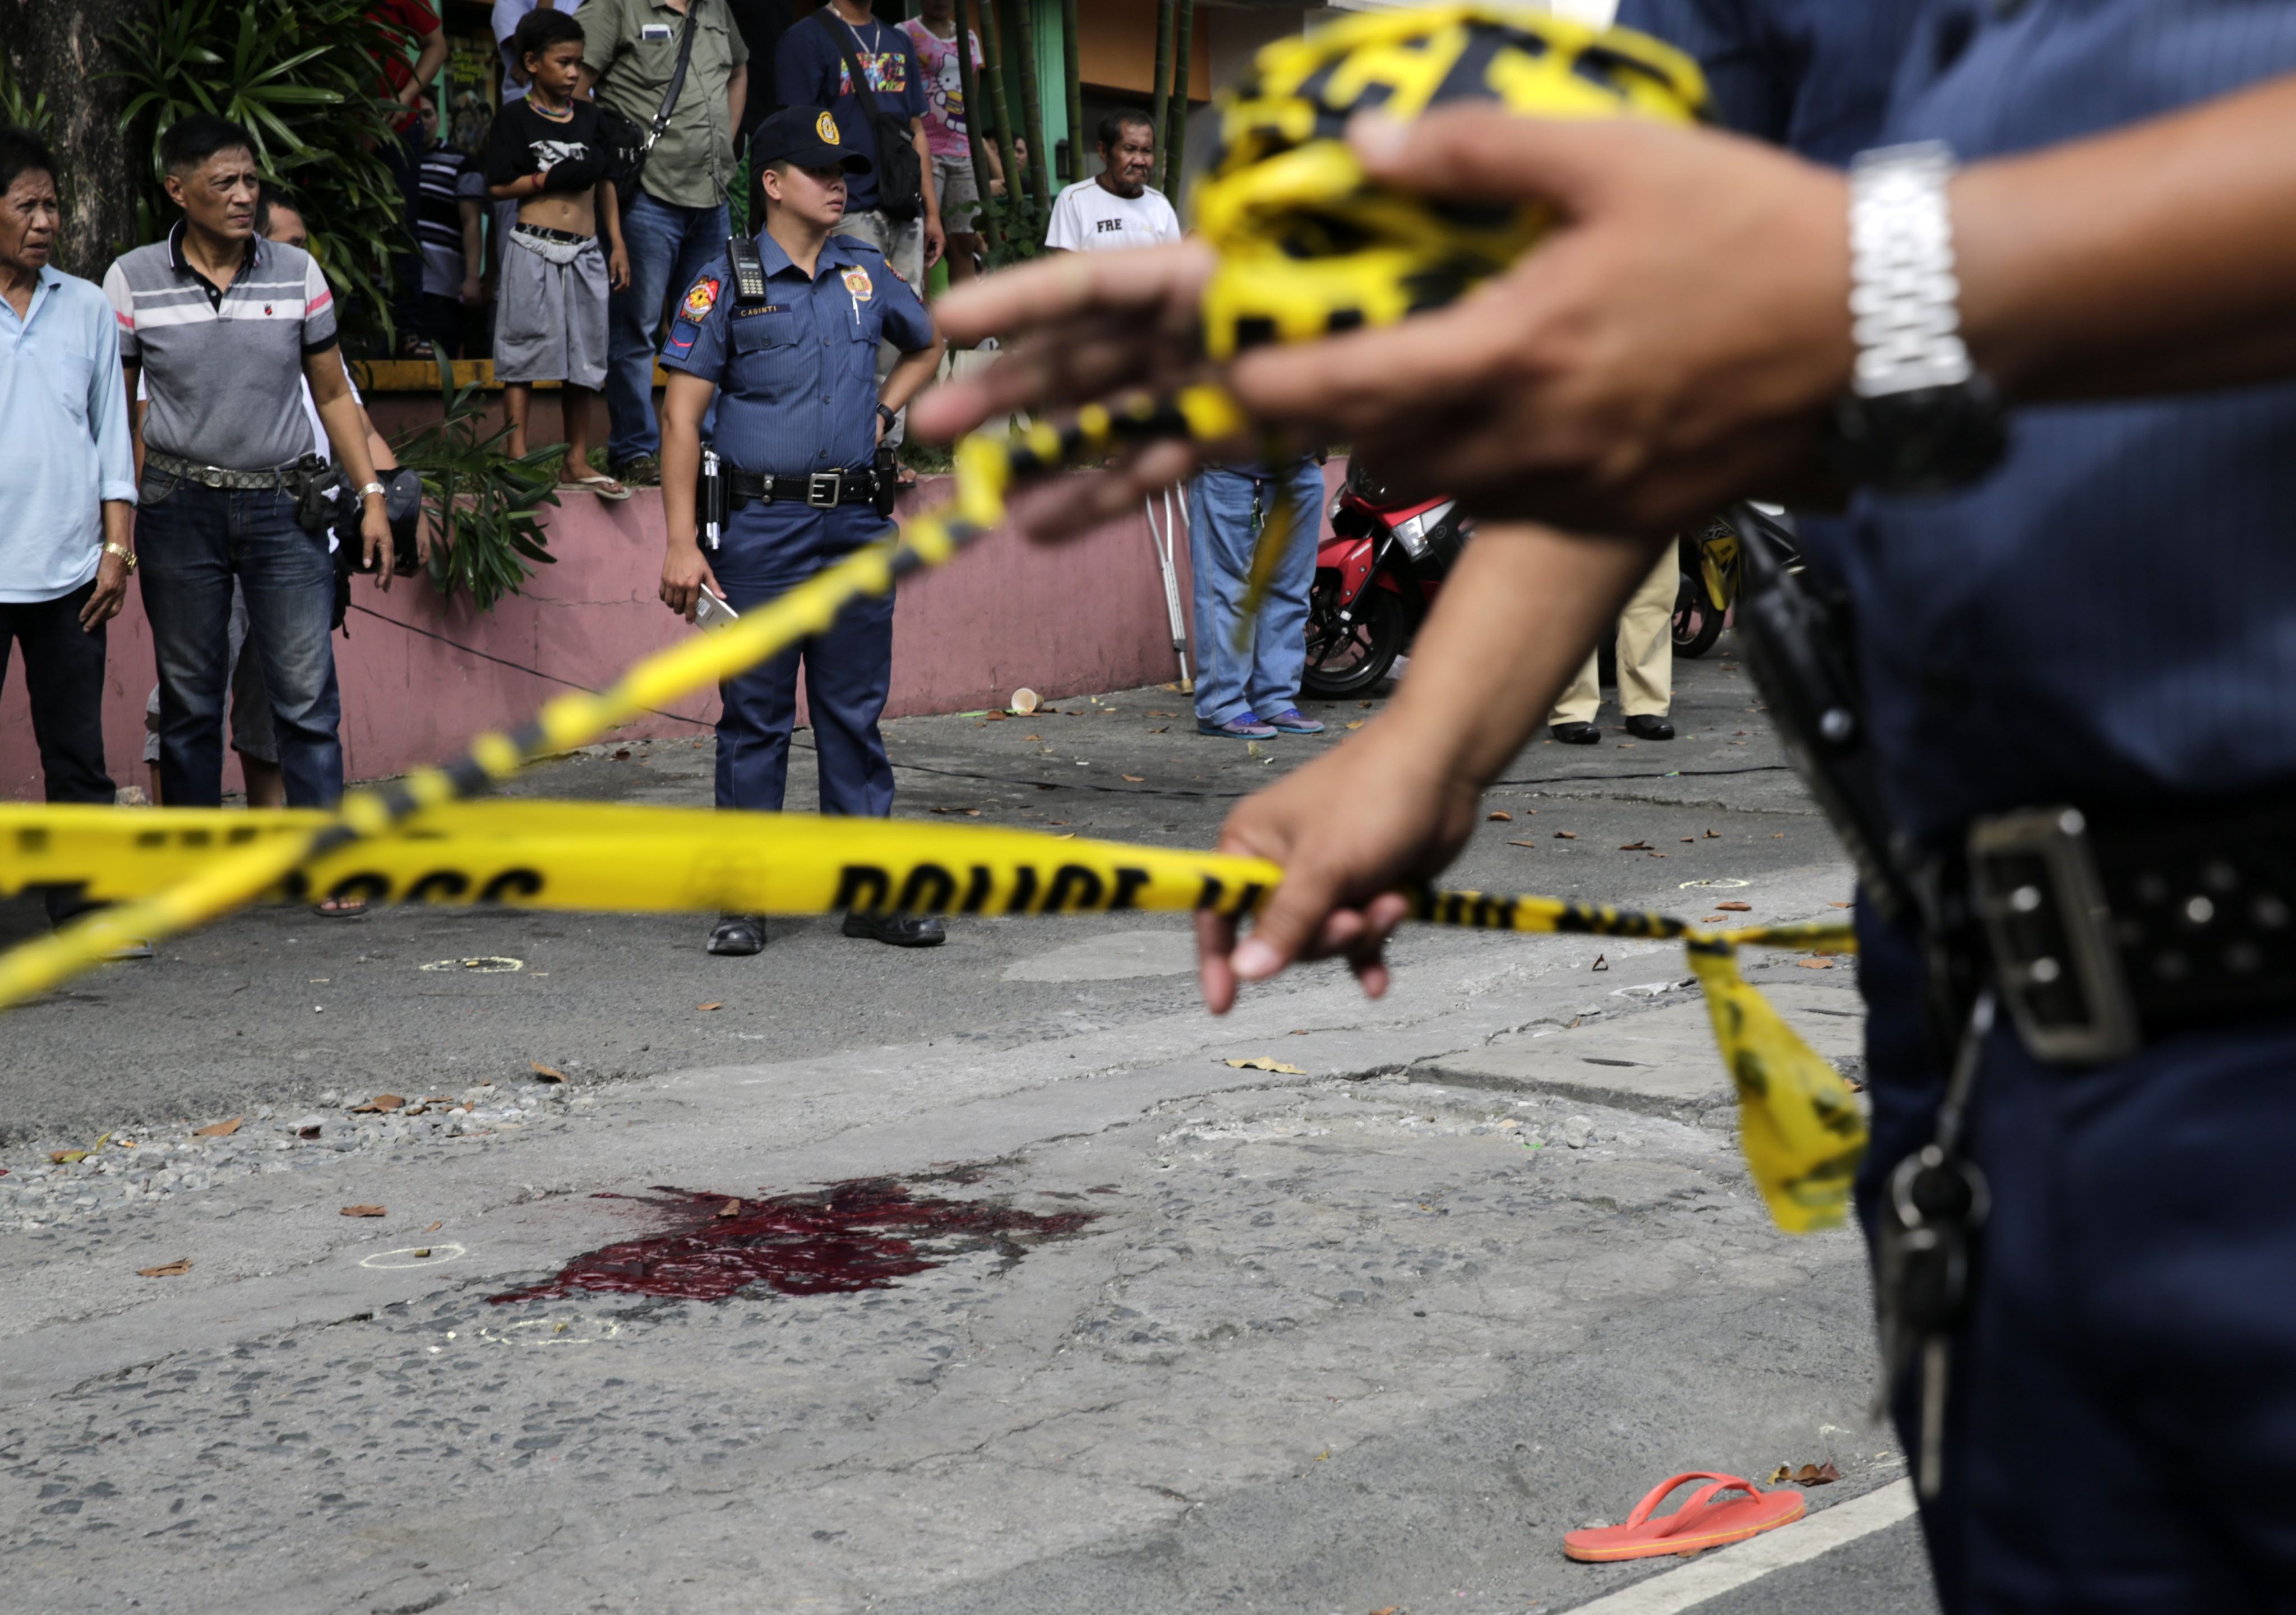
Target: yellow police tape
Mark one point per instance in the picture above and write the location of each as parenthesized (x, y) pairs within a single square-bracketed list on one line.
[(1802, 1128)]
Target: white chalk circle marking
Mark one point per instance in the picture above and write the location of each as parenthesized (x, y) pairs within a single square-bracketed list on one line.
[(497, 966), (1687, 885), (408, 1259)]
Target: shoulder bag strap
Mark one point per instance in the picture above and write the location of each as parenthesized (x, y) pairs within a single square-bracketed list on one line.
[(838, 31), (677, 75)]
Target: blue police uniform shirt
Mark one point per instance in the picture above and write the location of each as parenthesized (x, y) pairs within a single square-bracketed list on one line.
[(1812, 75), (797, 378), (2111, 616)]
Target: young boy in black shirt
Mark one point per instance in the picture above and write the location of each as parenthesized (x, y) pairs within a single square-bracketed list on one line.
[(544, 152)]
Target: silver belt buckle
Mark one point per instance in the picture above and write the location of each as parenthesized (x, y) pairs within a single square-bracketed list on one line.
[(823, 487), (2056, 955)]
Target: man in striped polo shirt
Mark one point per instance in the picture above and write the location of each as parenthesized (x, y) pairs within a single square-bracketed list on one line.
[(224, 326)]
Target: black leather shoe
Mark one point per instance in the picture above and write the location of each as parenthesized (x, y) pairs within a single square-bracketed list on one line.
[(899, 931), (738, 936), (1649, 725), (1577, 734)]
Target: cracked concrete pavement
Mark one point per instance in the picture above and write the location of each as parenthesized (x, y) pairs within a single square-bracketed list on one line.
[(1370, 1336)]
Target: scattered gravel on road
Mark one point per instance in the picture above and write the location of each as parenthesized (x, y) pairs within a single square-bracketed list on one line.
[(137, 1168)]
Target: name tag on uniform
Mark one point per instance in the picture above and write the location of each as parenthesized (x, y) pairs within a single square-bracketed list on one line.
[(743, 314), (653, 30)]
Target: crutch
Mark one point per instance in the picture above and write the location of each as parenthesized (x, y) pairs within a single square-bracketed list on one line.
[(1173, 523)]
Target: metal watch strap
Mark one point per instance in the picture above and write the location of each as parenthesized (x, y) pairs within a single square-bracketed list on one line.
[(1904, 297)]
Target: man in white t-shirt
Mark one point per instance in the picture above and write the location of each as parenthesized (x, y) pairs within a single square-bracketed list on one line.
[(1117, 206)]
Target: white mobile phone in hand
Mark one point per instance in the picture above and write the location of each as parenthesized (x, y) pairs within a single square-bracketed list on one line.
[(711, 613)]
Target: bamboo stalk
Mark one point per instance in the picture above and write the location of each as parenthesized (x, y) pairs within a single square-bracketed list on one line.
[(992, 74), (1163, 81), (977, 137), (1069, 49), (1174, 141), (1032, 113)]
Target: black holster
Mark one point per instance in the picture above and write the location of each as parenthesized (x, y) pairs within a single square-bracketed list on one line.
[(889, 478)]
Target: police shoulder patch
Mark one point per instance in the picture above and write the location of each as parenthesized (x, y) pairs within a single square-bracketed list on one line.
[(701, 299)]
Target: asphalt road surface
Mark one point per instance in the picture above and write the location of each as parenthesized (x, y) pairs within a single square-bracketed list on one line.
[(974, 1279)]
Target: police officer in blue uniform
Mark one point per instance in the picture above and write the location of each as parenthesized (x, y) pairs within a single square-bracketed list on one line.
[(2076, 644), (789, 360)]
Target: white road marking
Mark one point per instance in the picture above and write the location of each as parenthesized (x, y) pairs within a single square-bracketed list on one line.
[(1751, 1560)]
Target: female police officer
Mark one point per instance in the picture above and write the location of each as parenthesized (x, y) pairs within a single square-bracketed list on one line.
[(794, 352)]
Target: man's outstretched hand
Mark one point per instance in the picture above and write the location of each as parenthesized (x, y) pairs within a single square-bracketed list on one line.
[(1353, 831), (1670, 345)]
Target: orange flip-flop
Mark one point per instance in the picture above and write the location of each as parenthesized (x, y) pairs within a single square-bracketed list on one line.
[(1698, 1524)]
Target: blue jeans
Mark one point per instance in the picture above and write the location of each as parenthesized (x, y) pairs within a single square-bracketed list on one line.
[(669, 247), (1225, 510), (190, 542)]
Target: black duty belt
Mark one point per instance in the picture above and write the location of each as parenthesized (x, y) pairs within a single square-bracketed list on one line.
[(822, 490), (288, 478), (2110, 930)]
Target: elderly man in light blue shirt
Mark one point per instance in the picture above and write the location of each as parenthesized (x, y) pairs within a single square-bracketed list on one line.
[(67, 479)]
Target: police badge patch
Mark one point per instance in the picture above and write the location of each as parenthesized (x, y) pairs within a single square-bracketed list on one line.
[(825, 127), (701, 300), (858, 283)]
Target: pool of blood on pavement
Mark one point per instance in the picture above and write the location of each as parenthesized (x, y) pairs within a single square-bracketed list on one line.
[(860, 1235)]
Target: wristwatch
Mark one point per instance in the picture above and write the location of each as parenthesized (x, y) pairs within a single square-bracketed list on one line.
[(373, 490), (125, 555), (886, 415), (1919, 418)]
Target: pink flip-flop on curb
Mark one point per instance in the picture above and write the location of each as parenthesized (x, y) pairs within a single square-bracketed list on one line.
[(1698, 1524)]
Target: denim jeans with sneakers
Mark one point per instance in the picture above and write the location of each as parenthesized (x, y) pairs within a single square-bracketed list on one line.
[(1226, 508)]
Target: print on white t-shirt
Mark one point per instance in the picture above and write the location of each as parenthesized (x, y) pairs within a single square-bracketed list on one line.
[(1089, 217)]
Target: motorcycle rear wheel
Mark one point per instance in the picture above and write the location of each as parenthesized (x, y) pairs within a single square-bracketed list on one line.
[(1347, 658), (1697, 625)]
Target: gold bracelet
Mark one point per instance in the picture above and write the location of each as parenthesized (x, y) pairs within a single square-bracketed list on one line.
[(124, 553)]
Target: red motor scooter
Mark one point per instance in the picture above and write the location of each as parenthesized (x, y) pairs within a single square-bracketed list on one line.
[(1377, 576)]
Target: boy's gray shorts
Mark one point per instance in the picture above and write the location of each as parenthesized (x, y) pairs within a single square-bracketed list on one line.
[(550, 312)]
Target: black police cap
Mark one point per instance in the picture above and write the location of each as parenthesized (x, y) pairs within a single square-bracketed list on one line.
[(808, 136)]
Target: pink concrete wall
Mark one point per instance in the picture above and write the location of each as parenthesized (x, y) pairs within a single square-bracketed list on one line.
[(1084, 618)]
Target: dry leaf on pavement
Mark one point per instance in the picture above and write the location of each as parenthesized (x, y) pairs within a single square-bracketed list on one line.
[(221, 1129), (1501, 814), (378, 1104), (1736, 908), (548, 1073), (1512, 843), (709, 1006), (1816, 1474), (181, 1264), (1261, 1062), (1566, 835), (364, 1212), (1636, 846)]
